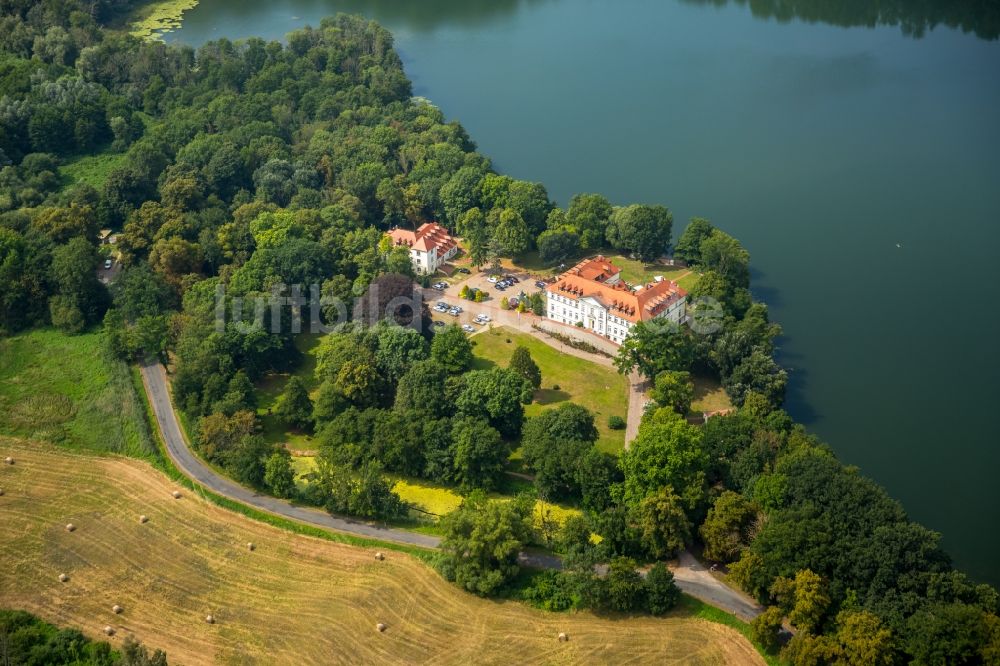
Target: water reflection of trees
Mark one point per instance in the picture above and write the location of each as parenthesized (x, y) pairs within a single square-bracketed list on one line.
[(914, 17), (418, 15)]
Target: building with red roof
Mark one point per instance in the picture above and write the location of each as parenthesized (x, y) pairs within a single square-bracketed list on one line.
[(593, 294), (430, 246)]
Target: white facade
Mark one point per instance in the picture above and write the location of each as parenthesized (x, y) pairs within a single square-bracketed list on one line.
[(427, 261), (591, 295), (595, 317)]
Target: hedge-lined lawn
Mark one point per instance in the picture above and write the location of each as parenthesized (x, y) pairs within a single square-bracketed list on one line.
[(272, 384), (598, 388), (68, 390), (709, 396)]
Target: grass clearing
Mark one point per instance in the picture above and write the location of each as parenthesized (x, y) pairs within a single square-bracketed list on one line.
[(272, 384), (598, 388), (69, 391), (294, 599), (91, 170), (709, 396)]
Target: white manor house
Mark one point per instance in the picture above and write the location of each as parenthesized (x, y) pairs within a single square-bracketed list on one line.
[(593, 293), (430, 246)]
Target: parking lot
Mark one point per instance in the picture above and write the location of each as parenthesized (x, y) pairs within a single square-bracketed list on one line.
[(471, 314)]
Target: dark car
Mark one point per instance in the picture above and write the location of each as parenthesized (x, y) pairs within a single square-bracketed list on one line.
[(464, 271), (540, 284)]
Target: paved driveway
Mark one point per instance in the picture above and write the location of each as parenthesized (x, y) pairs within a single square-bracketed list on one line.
[(154, 379), (690, 575)]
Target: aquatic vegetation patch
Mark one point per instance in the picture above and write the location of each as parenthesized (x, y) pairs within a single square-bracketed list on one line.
[(161, 18)]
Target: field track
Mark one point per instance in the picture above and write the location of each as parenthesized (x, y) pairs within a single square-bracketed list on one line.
[(294, 599)]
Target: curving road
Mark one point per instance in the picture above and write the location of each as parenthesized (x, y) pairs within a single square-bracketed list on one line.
[(154, 379), (690, 575)]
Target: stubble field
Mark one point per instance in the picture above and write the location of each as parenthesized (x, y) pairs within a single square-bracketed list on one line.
[(294, 599)]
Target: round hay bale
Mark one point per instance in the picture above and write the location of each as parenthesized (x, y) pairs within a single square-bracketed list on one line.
[(143, 518), (1, 492), (381, 627), (210, 619), (63, 578), (70, 527), (176, 494), (563, 637), (116, 609), (9, 460), (379, 556), (250, 546), (110, 631)]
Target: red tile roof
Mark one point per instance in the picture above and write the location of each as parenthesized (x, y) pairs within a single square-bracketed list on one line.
[(590, 278), (427, 237)]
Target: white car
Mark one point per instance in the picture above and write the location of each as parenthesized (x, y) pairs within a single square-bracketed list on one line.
[(484, 317), (107, 264), (492, 279), (454, 312), (468, 328)]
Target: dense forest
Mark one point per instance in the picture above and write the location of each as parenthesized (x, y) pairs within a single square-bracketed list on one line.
[(254, 165)]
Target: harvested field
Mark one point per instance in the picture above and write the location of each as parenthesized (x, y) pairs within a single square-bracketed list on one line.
[(292, 599)]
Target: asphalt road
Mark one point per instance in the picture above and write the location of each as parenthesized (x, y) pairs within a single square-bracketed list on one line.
[(155, 380), (690, 575)]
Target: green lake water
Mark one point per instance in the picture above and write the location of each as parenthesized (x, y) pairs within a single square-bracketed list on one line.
[(858, 159)]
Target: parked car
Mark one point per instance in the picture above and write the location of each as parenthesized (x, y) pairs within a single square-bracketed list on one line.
[(107, 264), (492, 279), (463, 271), (540, 284), (484, 317), (512, 278), (438, 322), (468, 328), (443, 303), (454, 312), (440, 286), (441, 308), (501, 288)]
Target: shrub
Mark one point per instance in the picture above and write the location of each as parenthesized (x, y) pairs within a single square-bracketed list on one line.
[(662, 592), (551, 591), (616, 423)]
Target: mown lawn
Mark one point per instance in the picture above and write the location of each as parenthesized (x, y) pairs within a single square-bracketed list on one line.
[(598, 388), (91, 170), (709, 396), (67, 390)]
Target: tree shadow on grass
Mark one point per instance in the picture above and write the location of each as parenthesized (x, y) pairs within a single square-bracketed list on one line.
[(550, 396)]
